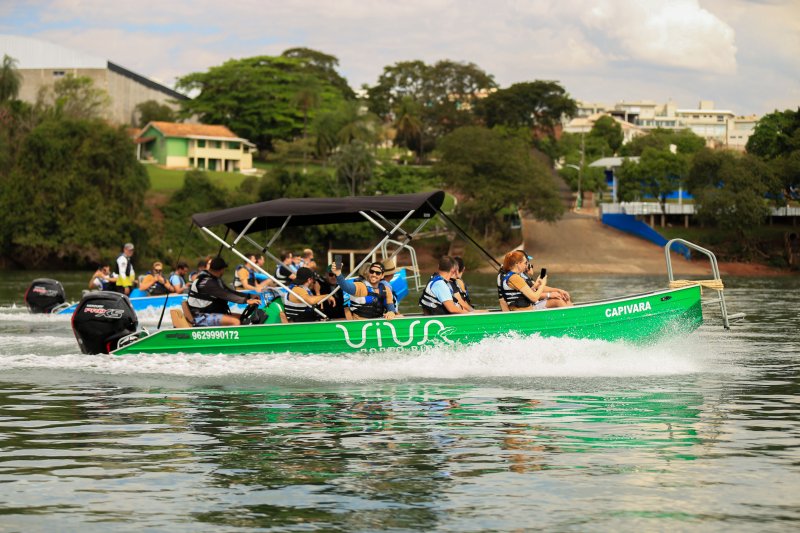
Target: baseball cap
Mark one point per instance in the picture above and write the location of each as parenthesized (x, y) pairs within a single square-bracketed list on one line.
[(217, 263)]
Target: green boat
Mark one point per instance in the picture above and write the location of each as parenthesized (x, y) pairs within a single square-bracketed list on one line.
[(638, 318)]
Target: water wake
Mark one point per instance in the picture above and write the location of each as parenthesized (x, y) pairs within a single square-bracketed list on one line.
[(500, 357)]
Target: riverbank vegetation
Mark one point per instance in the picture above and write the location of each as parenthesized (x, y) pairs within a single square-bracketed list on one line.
[(73, 192)]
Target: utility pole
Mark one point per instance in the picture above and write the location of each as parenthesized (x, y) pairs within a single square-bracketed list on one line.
[(579, 203)]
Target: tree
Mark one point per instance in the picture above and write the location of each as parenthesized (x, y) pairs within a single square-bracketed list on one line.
[(151, 111), (321, 66), (74, 194), (307, 98), (490, 171), (729, 191), (536, 105), (609, 132), (354, 166), (10, 79), (445, 94), (76, 98), (256, 97), (776, 140), (685, 141), (657, 173), (408, 123)]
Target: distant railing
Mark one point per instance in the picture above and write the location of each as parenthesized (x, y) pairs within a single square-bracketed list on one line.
[(651, 208)]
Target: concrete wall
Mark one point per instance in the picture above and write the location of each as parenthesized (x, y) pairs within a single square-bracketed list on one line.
[(125, 92)]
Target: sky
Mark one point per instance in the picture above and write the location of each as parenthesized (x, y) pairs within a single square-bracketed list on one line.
[(744, 55)]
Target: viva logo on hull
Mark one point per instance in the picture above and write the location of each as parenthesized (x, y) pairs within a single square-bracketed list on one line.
[(432, 330)]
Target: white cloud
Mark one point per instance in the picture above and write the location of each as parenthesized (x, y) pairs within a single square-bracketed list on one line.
[(597, 48)]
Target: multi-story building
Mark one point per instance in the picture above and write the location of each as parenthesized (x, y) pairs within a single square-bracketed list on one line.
[(719, 127), (201, 146), (41, 64)]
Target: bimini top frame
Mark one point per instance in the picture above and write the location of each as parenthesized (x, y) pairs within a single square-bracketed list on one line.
[(295, 212)]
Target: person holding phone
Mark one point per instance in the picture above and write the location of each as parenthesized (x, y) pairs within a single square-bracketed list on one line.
[(370, 296), (552, 296), (515, 288)]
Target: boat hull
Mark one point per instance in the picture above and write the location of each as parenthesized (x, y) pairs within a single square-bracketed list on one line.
[(640, 318), (143, 303)]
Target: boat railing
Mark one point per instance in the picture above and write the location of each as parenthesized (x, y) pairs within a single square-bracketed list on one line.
[(714, 284), (400, 247)]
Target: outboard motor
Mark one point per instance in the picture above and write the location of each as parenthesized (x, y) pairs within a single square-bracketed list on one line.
[(43, 295), (101, 319)]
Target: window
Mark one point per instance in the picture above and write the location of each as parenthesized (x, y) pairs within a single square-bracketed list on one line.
[(58, 73), (233, 145), (201, 143)]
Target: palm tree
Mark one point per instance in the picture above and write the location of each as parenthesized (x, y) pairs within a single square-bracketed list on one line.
[(10, 79), (409, 124), (306, 98)]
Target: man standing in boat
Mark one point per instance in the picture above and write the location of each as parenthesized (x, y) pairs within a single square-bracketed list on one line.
[(370, 296), (125, 273), (209, 297), (437, 298)]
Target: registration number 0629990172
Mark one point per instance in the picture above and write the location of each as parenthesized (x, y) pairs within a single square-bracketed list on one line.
[(215, 334)]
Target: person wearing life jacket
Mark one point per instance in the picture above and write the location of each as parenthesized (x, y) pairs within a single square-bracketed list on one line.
[(202, 266), (370, 295), (178, 277), (154, 283), (552, 296), (209, 296), (244, 276), (514, 287), (102, 279), (437, 298), (285, 271), (299, 302), (125, 274), (460, 292)]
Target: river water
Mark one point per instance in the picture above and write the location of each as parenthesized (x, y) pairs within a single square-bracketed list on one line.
[(700, 432)]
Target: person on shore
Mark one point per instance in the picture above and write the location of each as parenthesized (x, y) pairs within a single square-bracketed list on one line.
[(102, 279), (178, 277), (154, 283), (295, 303), (209, 297), (370, 296), (437, 298), (126, 276)]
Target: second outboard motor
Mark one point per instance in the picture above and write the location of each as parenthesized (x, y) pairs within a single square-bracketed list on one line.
[(101, 319), (43, 295)]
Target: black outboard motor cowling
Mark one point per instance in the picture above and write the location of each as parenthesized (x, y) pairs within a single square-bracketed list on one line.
[(101, 319), (44, 294)]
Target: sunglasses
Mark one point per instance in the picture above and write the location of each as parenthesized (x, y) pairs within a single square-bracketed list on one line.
[(376, 272)]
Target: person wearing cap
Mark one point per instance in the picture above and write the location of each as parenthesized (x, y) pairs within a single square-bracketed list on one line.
[(209, 297), (370, 295), (154, 283), (299, 301), (125, 273)]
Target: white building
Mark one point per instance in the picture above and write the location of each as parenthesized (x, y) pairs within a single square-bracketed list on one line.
[(41, 64)]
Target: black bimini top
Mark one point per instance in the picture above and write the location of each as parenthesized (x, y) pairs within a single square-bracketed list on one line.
[(318, 211)]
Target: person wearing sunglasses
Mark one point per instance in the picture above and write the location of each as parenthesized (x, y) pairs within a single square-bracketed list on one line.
[(370, 296), (154, 283)]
